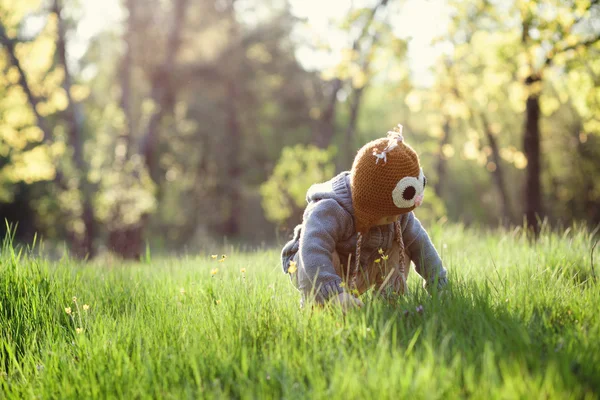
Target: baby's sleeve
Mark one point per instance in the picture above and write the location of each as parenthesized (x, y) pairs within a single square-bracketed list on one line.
[(423, 254), (325, 224)]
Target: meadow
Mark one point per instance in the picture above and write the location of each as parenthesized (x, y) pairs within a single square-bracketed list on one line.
[(517, 321)]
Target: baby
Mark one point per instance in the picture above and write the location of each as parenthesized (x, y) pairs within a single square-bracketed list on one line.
[(359, 232)]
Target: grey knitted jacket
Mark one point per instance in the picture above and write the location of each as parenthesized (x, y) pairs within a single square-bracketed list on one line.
[(328, 226)]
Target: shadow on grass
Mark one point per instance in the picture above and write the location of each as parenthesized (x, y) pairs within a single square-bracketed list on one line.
[(470, 322)]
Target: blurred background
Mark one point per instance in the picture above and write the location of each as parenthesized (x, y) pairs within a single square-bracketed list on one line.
[(179, 123)]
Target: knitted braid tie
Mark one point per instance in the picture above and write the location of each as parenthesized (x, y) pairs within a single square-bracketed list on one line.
[(401, 268), (357, 265), (401, 261)]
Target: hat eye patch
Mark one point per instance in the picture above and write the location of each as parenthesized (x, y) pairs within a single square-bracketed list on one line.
[(405, 192)]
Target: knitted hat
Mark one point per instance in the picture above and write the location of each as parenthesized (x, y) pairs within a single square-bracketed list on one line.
[(386, 180)]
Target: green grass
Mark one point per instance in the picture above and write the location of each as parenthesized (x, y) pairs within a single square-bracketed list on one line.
[(518, 321)]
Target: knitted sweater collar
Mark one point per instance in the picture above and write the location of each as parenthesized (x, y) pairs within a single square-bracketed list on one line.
[(341, 186), (337, 188)]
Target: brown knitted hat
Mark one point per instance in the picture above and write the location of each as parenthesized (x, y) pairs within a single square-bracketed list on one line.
[(386, 180)]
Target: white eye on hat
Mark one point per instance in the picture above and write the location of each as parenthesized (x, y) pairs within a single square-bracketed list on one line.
[(407, 189)]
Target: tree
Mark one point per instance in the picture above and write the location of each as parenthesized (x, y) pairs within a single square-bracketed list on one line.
[(555, 37), (470, 81), (67, 110)]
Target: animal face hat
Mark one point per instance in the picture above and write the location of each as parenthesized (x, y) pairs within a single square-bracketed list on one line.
[(386, 180)]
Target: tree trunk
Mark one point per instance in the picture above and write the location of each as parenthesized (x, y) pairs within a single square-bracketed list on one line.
[(498, 172), (163, 89), (355, 103), (442, 164), (327, 122), (349, 146), (149, 143), (232, 149), (125, 71), (128, 241), (531, 147), (83, 245), (327, 131)]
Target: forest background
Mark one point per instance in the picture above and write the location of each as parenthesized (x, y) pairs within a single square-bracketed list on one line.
[(175, 124)]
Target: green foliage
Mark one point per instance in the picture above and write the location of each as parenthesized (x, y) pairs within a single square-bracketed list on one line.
[(516, 322), (481, 93), (234, 101), (284, 193), (23, 156)]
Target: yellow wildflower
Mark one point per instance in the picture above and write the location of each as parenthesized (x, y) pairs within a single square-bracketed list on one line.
[(74, 299), (214, 256), (380, 251), (214, 271), (224, 256), (68, 310), (343, 284), (78, 330), (378, 260), (221, 260), (219, 301), (86, 307), (385, 257), (293, 267), (243, 270)]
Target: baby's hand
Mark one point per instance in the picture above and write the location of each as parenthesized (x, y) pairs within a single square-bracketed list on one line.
[(346, 301)]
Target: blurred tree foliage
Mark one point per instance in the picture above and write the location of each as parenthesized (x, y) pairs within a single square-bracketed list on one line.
[(506, 100), (284, 193), (189, 121)]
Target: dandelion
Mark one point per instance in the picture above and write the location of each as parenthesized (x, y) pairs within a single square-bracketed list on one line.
[(79, 330), (214, 271), (68, 310), (86, 307), (378, 260), (292, 267), (243, 270), (214, 256)]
